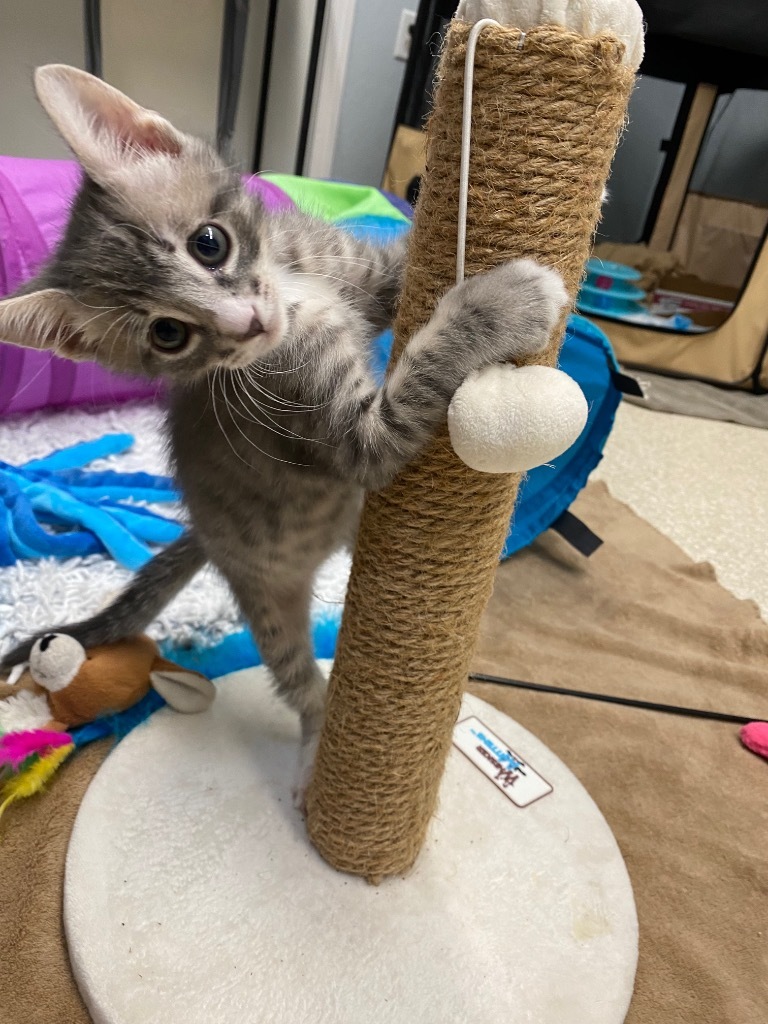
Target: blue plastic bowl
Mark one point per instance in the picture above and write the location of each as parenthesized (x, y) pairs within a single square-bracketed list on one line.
[(609, 274)]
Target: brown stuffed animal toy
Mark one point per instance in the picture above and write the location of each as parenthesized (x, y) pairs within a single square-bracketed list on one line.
[(66, 686)]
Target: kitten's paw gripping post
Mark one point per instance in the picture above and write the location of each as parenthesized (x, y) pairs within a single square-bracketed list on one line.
[(519, 303)]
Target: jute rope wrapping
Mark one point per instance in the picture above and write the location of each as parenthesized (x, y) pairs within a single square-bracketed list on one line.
[(546, 120)]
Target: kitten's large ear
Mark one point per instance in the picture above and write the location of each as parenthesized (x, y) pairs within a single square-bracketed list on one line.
[(105, 129), (48, 319)]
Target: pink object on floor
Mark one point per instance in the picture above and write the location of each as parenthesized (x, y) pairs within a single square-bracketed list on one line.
[(755, 737)]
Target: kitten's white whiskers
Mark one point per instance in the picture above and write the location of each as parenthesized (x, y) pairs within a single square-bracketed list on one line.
[(288, 404), (269, 455), (115, 326), (88, 305), (211, 386), (278, 428), (262, 368), (344, 281)]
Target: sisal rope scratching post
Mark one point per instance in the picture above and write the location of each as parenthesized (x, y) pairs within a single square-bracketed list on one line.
[(547, 111)]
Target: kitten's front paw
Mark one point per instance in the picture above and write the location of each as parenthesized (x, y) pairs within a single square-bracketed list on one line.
[(516, 307), (535, 288)]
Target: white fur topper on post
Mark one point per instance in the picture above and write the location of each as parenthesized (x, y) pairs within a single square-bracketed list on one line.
[(622, 18)]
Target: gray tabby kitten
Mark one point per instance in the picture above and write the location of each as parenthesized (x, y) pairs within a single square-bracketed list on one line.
[(261, 325)]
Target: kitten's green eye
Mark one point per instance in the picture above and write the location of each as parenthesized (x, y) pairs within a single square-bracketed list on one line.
[(169, 335), (209, 246)]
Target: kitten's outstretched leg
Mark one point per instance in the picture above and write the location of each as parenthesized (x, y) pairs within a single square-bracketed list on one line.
[(278, 613), (505, 314), (144, 598)]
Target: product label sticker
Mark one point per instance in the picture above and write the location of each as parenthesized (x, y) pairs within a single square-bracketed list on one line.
[(506, 769)]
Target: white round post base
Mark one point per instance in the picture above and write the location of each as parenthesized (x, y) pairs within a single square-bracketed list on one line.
[(193, 894)]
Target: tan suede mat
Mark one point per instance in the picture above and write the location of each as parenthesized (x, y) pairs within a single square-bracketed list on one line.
[(688, 805)]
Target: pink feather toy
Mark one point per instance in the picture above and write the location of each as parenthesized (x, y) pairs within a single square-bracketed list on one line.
[(16, 747)]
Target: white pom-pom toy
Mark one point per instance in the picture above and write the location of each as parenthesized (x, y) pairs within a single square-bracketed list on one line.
[(508, 419)]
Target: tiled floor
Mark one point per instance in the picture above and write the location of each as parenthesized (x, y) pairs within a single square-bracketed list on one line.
[(701, 482)]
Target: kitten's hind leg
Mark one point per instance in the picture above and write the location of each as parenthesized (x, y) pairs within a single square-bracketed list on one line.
[(278, 614)]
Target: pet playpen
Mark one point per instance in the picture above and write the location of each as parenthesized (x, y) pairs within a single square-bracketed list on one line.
[(714, 50), (696, 46)]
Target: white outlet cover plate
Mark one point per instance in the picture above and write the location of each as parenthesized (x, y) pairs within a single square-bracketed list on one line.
[(403, 38)]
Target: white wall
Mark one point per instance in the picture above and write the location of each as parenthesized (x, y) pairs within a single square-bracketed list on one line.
[(293, 38), (371, 92), (329, 87), (32, 33), (165, 55), (248, 106)]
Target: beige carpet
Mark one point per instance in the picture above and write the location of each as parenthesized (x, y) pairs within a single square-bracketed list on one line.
[(702, 483), (686, 802)]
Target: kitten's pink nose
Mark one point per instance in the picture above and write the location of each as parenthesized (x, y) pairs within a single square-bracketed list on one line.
[(255, 327), (239, 319)]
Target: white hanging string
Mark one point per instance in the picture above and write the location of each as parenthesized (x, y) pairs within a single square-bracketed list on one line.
[(466, 132)]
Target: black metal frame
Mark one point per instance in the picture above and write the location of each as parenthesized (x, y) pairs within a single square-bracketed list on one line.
[(233, 34), (92, 36), (670, 147), (309, 91), (266, 71), (415, 94), (318, 29), (691, 63)]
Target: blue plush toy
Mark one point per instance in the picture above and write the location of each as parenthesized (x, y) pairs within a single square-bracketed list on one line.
[(52, 507)]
